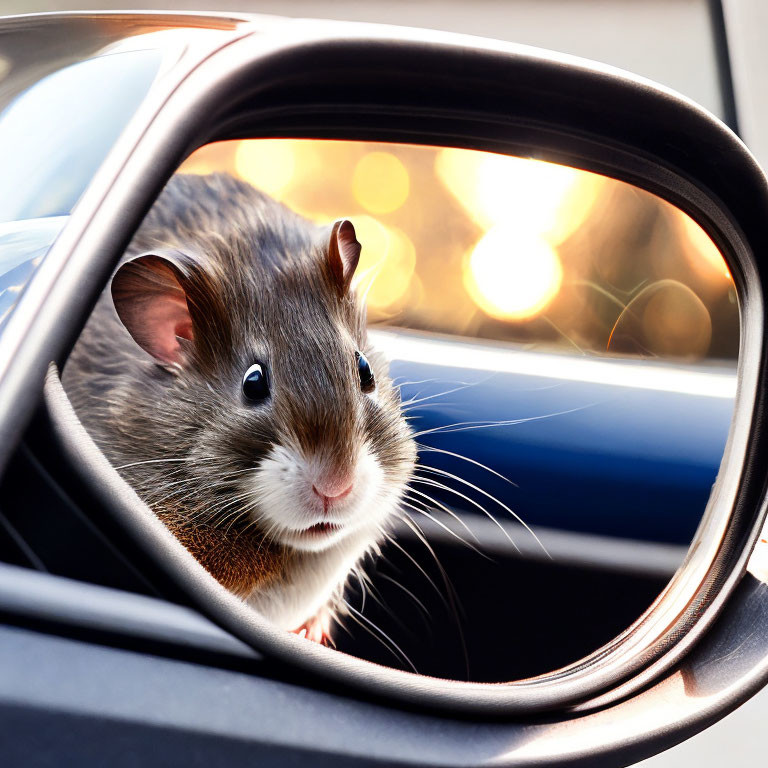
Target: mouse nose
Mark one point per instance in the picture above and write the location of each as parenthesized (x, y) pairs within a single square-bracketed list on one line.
[(330, 491)]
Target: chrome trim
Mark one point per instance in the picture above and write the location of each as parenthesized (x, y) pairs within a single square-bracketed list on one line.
[(479, 355)]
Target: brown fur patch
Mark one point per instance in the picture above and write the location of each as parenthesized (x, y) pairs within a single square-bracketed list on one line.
[(240, 560)]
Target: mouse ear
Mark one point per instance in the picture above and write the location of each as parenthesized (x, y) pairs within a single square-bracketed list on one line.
[(152, 305), (343, 253)]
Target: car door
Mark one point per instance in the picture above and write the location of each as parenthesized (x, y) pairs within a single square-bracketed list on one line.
[(177, 667)]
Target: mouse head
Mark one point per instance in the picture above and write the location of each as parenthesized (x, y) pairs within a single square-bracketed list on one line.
[(281, 417)]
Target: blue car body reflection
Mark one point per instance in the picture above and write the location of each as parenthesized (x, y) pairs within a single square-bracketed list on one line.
[(606, 458)]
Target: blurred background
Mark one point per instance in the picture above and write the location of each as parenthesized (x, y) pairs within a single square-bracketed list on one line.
[(508, 249)]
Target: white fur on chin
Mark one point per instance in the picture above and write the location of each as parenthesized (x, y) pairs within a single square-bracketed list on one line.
[(287, 507)]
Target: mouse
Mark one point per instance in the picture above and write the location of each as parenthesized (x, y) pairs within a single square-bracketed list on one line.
[(227, 375)]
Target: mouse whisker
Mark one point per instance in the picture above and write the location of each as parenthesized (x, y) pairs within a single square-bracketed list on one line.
[(217, 516), (377, 597), (430, 381), (195, 513), (236, 518), (382, 558), (444, 473), (162, 488), (424, 406), (465, 426), (361, 581), (410, 503), (267, 535), (391, 539), (379, 633), (395, 385), (164, 476), (147, 461), (406, 590), (432, 449), (236, 472), (164, 492), (453, 602), (442, 506), (415, 400), (441, 486), (420, 535)]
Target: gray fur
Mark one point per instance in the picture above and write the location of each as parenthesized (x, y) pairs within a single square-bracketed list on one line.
[(260, 287)]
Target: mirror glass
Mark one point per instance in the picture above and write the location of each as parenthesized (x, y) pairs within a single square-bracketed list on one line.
[(501, 477)]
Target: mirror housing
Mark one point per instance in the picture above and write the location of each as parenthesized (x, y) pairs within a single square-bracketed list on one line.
[(329, 80)]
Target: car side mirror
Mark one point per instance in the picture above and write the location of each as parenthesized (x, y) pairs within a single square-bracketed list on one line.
[(693, 655)]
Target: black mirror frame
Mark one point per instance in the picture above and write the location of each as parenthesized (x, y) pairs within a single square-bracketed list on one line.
[(329, 80)]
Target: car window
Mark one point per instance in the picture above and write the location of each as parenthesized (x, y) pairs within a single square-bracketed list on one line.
[(23, 244), (54, 135)]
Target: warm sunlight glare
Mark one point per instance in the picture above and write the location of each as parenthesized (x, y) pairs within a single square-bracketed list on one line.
[(541, 198), (676, 322), (268, 164), (380, 182), (387, 262), (511, 276), (706, 255)]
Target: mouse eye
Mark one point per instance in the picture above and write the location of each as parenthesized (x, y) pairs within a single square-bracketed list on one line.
[(255, 384), (367, 382)]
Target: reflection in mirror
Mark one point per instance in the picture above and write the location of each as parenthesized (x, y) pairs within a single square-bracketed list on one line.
[(496, 478)]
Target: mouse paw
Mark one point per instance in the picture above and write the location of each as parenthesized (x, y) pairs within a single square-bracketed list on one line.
[(317, 629)]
